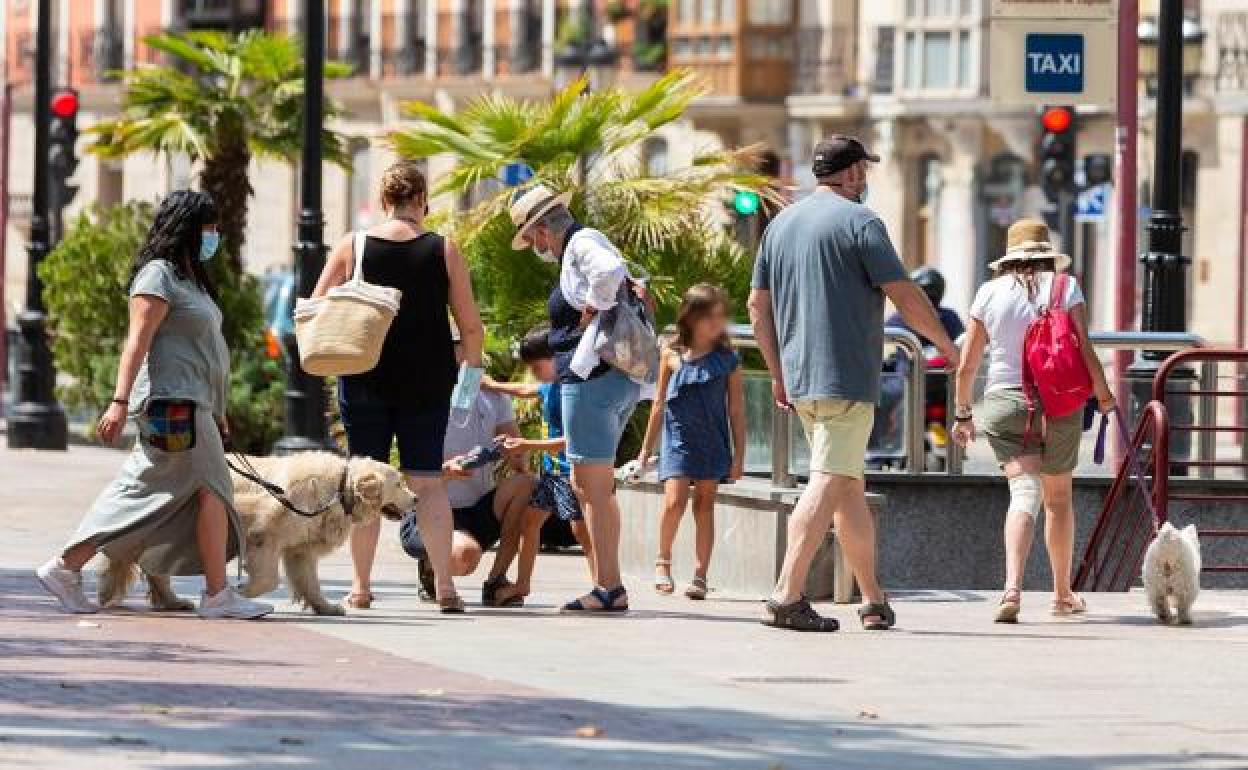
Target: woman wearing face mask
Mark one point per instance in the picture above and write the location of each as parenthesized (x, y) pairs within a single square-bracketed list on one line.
[(597, 400), (172, 503), (407, 397)]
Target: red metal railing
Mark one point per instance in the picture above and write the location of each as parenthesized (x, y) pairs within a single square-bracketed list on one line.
[(1115, 550), (1211, 425), (1112, 558)]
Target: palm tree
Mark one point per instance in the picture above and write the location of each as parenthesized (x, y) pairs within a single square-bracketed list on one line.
[(221, 100), (662, 223)]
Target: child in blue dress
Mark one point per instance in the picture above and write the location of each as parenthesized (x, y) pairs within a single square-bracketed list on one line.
[(700, 404)]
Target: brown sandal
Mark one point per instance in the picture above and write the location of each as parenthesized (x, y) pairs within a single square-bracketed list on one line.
[(359, 601), (1070, 605), (1011, 604), (451, 605)]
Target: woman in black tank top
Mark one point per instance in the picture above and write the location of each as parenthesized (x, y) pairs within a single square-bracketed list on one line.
[(405, 399)]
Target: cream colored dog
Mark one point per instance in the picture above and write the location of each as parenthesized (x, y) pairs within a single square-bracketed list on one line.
[(1172, 573), (359, 491)]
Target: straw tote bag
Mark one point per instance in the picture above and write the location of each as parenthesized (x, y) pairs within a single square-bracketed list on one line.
[(343, 331)]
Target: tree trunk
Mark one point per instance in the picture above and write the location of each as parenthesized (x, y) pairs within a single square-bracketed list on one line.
[(225, 178)]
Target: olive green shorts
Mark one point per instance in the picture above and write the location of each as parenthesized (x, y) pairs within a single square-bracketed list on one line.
[(1003, 419)]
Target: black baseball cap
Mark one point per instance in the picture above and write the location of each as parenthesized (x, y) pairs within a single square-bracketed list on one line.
[(838, 153)]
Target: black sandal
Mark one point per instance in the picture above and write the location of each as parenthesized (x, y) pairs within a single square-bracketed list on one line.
[(798, 616), (880, 610), (608, 601), (489, 593)]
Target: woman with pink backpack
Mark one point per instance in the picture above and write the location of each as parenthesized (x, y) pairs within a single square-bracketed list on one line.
[(1032, 321)]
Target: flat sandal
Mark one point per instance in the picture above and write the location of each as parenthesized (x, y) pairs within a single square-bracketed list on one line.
[(1011, 604), (664, 584)]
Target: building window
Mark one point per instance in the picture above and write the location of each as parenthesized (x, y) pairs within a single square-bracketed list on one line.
[(728, 11), (911, 63), (727, 47), (965, 57), (937, 60), (940, 46), (885, 39), (708, 11), (770, 12), (686, 12)]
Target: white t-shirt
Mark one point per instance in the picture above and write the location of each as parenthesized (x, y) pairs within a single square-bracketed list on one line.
[(1005, 310), (490, 413)]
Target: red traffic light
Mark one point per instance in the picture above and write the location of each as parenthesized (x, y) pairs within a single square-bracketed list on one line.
[(65, 104), (1057, 120)]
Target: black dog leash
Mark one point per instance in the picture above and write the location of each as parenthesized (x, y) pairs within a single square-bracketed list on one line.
[(249, 472)]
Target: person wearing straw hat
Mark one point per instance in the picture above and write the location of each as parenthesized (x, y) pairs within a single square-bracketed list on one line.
[(1039, 468), (597, 399)]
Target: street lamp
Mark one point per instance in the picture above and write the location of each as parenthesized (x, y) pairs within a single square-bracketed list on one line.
[(1165, 266), (37, 420), (305, 394)]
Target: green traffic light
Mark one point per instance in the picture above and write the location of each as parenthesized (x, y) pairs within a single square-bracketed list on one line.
[(746, 202)]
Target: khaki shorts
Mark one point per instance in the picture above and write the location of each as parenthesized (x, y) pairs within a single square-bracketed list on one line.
[(1003, 419), (837, 431)]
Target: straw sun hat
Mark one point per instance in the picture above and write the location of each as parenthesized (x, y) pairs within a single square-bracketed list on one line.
[(1026, 240), (530, 206)]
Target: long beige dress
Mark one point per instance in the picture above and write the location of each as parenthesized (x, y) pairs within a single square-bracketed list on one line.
[(149, 511)]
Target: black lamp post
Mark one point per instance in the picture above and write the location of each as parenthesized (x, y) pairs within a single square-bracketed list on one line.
[(305, 394), (37, 420), (1165, 267)]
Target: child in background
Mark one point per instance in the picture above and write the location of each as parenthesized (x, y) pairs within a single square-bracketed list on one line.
[(553, 493), (700, 404)]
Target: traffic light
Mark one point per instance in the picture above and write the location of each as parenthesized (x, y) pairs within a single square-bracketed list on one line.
[(746, 202), (62, 152), (1057, 153)]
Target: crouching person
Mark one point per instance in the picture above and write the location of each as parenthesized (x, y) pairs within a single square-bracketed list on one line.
[(554, 514), (171, 508), (484, 514)]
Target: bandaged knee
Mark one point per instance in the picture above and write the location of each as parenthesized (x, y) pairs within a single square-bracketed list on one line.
[(1026, 494)]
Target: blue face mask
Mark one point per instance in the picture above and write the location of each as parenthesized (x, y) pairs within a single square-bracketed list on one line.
[(209, 242)]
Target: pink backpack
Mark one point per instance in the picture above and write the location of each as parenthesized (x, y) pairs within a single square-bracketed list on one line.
[(1053, 367)]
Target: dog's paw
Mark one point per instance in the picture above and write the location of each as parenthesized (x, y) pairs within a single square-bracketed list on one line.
[(330, 610)]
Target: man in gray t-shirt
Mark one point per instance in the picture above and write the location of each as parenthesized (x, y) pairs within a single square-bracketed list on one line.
[(823, 270)]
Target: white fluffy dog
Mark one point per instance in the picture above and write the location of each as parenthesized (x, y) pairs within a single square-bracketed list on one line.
[(1172, 573), (360, 490)]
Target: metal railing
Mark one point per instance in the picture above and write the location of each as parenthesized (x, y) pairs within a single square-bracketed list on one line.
[(914, 413), (1115, 549), (782, 474)]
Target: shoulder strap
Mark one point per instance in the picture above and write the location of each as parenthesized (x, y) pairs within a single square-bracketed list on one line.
[(360, 238), (1057, 292)]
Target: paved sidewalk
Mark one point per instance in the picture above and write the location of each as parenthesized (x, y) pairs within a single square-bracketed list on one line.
[(673, 685)]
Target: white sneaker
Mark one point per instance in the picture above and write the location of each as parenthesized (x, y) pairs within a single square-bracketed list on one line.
[(66, 585), (228, 604)]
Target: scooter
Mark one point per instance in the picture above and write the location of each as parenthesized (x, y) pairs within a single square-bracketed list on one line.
[(886, 449)]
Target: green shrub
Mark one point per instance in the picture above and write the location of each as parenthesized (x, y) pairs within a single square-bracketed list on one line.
[(85, 287)]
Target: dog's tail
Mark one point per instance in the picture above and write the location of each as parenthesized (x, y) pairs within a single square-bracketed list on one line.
[(115, 581)]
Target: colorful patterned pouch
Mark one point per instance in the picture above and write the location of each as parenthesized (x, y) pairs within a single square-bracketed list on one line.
[(169, 424)]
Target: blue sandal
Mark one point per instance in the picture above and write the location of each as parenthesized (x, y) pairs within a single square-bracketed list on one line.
[(607, 600)]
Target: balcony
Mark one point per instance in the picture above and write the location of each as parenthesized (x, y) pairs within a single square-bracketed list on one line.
[(460, 50), (102, 54), (403, 46), (824, 62), (744, 53), (347, 40)]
